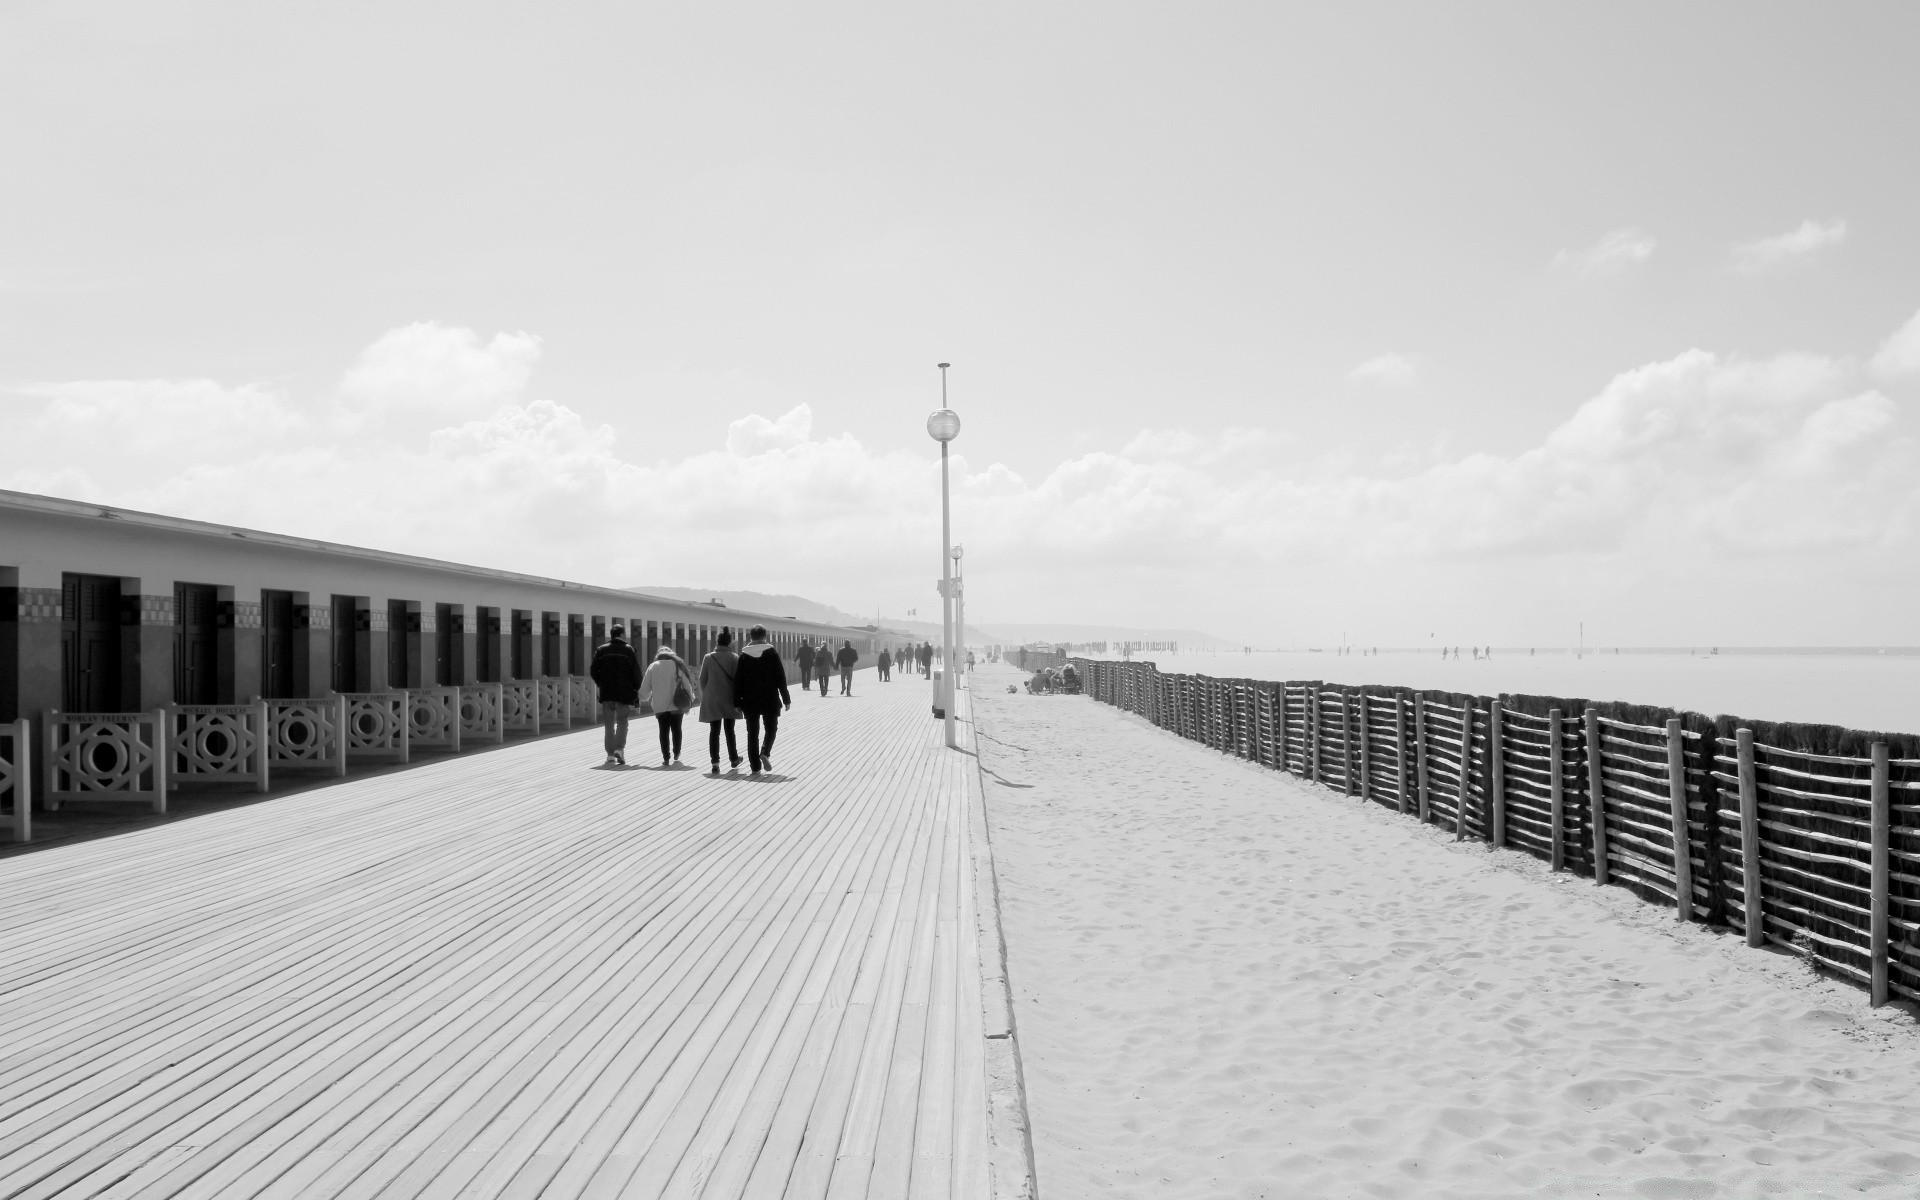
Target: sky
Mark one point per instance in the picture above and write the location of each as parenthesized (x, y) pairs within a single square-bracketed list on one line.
[(1397, 323)]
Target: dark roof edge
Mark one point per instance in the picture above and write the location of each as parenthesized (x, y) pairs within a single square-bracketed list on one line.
[(106, 512)]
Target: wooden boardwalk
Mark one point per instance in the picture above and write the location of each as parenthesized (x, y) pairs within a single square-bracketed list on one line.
[(517, 973)]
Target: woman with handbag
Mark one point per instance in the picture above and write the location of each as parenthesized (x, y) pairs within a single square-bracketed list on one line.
[(667, 691), (717, 709)]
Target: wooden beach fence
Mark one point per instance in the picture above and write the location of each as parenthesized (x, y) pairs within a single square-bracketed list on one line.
[(1803, 838)]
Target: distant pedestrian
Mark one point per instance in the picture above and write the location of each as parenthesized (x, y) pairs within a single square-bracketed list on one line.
[(823, 666), (760, 692), (717, 708), (616, 672), (667, 691), (926, 659), (803, 658), (845, 659), (883, 664)]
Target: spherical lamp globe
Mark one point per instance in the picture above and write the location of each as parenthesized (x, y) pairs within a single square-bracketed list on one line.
[(943, 425)]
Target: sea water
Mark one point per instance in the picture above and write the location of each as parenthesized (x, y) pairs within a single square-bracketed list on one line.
[(1861, 690)]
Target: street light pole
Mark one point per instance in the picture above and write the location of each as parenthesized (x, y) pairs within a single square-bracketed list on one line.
[(943, 426)]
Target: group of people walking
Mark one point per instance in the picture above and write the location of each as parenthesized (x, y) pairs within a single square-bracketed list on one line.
[(749, 684), (819, 663)]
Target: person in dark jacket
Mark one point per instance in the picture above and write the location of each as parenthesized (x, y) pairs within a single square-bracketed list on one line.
[(926, 659), (845, 660), (884, 664), (760, 693), (616, 672), (803, 658), (823, 665), (717, 710)]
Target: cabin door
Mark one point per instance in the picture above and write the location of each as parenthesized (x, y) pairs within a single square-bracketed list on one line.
[(276, 659), (196, 635), (90, 642)]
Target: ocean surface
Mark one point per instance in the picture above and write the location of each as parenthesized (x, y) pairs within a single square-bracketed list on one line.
[(1864, 690)]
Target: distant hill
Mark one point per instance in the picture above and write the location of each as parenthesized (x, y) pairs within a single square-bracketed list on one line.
[(763, 604), (768, 604)]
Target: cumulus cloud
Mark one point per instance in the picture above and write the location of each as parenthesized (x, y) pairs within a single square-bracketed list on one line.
[(1899, 355), (1755, 476), (1390, 369), (1616, 251), (1794, 246)]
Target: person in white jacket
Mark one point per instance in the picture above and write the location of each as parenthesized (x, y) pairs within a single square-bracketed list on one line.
[(667, 690)]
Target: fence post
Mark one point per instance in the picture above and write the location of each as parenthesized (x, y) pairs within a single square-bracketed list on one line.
[(1347, 774), (260, 736), (1400, 748), (1596, 797), (340, 734), (1677, 801), (1313, 732), (1496, 757), (1881, 868), (162, 756), (1366, 747), (1420, 750), (1556, 790), (1466, 770), (1280, 728), (1750, 838)]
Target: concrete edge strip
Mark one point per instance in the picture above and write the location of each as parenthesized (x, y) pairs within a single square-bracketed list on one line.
[(1009, 1133)]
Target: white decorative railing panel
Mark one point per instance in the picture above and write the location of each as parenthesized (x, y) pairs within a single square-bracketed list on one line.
[(433, 719), (520, 706), (220, 742), (377, 724), (584, 697), (555, 703), (16, 775), (307, 733), (107, 756), (480, 705)]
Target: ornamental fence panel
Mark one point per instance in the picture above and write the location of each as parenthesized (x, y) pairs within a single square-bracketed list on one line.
[(307, 734), (584, 698), (555, 703), (217, 743), (520, 707), (377, 725), (480, 709), (16, 778), (1797, 836), (118, 757), (433, 719)]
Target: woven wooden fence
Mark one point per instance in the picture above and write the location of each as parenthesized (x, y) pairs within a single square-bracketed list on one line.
[(1804, 837)]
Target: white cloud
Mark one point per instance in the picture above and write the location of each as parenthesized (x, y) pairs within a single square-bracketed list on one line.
[(1391, 370), (1899, 355), (426, 374), (1797, 245), (1707, 475), (755, 434), (1616, 251)]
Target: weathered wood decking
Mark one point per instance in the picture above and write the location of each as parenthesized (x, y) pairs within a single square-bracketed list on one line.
[(517, 974)]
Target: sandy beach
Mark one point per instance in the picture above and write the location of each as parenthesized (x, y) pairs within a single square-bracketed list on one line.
[(1233, 984)]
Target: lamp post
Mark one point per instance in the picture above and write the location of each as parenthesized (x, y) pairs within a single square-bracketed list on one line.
[(943, 426)]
